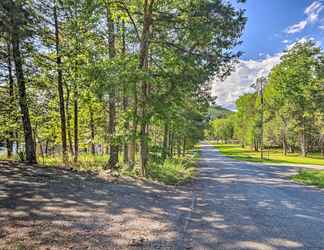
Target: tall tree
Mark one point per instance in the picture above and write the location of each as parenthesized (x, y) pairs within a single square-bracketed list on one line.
[(16, 20), (60, 83)]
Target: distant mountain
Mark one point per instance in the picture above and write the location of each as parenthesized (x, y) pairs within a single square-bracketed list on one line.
[(217, 112)]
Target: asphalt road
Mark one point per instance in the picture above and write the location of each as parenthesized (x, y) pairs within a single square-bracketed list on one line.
[(253, 206)]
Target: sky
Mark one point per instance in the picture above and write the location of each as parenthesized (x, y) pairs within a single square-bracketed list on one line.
[(273, 26)]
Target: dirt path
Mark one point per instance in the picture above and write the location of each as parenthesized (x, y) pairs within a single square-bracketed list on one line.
[(56, 209)]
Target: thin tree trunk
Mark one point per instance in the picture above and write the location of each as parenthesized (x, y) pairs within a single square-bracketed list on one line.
[(284, 144), (76, 124), (184, 146), (170, 144), (143, 64), (17, 141), (46, 148), (178, 147), (165, 140), (303, 143), (126, 128), (322, 145), (132, 144), (68, 120), (12, 101), (60, 86), (113, 146), (125, 99), (92, 131), (28, 133)]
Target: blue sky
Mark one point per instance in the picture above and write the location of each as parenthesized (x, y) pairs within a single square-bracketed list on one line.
[(273, 26), (267, 31)]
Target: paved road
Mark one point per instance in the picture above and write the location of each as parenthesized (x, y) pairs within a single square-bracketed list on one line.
[(252, 206)]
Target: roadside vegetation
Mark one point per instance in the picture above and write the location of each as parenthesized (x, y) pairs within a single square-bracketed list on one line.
[(282, 119), (271, 155), (122, 86), (310, 177), (177, 170)]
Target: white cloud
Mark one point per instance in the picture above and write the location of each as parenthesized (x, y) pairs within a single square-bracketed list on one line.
[(304, 40), (285, 41), (298, 27), (312, 13), (239, 82)]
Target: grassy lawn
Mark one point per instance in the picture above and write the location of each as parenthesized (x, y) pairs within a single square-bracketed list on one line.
[(272, 156), (310, 177)]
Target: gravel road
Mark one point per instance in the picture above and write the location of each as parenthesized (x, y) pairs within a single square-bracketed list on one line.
[(230, 205), (253, 206)]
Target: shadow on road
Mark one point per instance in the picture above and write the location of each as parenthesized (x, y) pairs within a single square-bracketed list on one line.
[(57, 209), (248, 206)]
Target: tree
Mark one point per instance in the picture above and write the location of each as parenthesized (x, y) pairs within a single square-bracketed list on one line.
[(288, 83), (16, 19)]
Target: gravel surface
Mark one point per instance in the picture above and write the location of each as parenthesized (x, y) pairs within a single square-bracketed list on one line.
[(42, 208), (231, 205), (252, 206)]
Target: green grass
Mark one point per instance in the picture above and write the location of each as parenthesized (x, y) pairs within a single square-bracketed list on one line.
[(86, 162), (176, 171), (270, 156), (310, 177)]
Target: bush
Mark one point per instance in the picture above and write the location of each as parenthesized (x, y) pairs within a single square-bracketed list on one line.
[(174, 171)]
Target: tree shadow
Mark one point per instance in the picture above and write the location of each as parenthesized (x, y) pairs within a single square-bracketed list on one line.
[(59, 209), (248, 206)]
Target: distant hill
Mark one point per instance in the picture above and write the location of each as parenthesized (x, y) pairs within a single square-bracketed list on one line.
[(217, 112)]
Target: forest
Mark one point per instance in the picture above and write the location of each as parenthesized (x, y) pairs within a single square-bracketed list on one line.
[(123, 82), (286, 109)]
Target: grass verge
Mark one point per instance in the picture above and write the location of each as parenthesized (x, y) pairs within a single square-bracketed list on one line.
[(310, 177), (175, 171), (270, 156)]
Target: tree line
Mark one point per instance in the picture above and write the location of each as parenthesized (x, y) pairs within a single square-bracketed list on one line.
[(125, 78), (293, 110)]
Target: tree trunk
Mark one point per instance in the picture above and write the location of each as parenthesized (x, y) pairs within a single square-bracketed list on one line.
[(92, 131), (68, 120), (125, 99), (165, 140), (302, 135), (76, 124), (28, 133), (126, 128), (132, 144), (60, 87), (46, 148), (322, 145), (143, 64), (285, 146), (184, 146), (113, 146), (178, 147), (12, 101), (170, 144), (303, 150)]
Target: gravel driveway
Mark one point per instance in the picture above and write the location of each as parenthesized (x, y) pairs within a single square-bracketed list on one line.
[(231, 205)]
